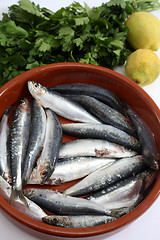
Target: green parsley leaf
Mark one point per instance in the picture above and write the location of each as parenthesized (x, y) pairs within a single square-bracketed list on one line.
[(31, 36), (31, 8), (120, 3), (81, 21)]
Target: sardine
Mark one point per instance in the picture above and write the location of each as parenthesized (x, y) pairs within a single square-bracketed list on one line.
[(128, 204), (124, 190), (19, 136), (71, 169), (93, 148), (98, 92), (50, 151), (31, 210), (146, 139), (60, 104), (104, 177), (58, 203), (103, 112), (36, 138), (80, 221), (101, 131), (4, 153)]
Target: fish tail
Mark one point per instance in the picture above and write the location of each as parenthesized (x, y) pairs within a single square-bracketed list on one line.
[(119, 212), (17, 194)]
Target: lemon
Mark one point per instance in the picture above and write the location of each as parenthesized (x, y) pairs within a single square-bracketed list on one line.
[(144, 31), (143, 66)]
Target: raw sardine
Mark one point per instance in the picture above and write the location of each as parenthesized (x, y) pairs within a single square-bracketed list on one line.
[(103, 112), (101, 131), (58, 203), (94, 148), (31, 210), (146, 139), (71, 169), (128, 204), (104, 177), (124, 190), (61, 105), (36, 138), (50, 151), (98, 92), (19, 136), (80, 221), (4, 154)]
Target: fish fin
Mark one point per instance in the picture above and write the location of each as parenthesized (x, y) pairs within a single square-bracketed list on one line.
[(17, 194), (119, 212)]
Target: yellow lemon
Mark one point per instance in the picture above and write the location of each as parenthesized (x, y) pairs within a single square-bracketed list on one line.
[(143, 66), (144, 30)]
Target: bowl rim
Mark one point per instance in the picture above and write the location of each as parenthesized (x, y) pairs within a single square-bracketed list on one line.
[(90, 231)]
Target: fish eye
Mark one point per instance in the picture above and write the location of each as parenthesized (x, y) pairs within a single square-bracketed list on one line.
[(44, 173), (55, 220), (22, 101), (36, 85)]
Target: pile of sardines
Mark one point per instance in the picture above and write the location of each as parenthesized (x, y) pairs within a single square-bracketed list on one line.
[(112, 153)]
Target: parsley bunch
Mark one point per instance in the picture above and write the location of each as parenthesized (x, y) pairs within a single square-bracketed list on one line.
[(31, 36)]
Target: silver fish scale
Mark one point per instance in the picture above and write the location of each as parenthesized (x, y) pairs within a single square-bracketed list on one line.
[(101, 131), (36, 138), (71, 169), (77, 221), (95, 148), (4, 154), (61, 105), (51, 145), (59, 203), (19, 134), (31, 210), (122, 191), (106, 176)]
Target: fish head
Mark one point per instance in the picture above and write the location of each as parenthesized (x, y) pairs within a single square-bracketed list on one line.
[(36, 89), (43, 170), (149, 177), (24, 104), (56, 220)]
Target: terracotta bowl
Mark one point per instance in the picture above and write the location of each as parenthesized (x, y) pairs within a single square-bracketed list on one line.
[(125, 89)]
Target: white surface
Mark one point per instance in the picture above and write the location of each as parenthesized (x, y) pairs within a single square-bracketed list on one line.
[(145, 227)]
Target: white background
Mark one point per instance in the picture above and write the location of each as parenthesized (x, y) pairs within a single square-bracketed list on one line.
[(145, 227)]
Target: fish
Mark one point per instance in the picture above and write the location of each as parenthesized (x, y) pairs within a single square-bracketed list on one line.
[(18, 141), (101, 131), (36, 139), (129, 193), (59, 203), (104, 177), (128, 204), (80, 221), (60, 104), (67, 170), (30, 209), (101, 93), (94, 148), (149, 179), (146, 139), (50, 152), (4, 151), (104, 112), (125, 191)]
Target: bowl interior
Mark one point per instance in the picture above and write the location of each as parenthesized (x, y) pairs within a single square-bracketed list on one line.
[(125, 89)]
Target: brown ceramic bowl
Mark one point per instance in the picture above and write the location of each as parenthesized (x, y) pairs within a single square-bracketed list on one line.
[(127, 90)]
